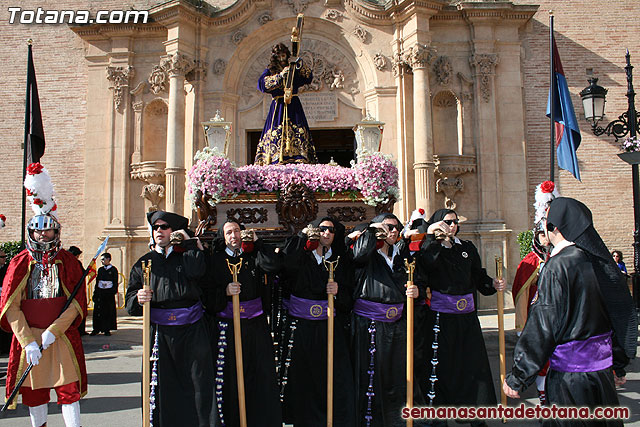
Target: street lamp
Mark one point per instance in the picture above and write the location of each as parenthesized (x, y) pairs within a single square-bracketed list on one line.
[(593, 100)]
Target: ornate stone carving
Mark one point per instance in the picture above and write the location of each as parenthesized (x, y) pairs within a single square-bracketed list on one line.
[(157, 108), (296, 207), (157, 80), (443, 70), (219, 66), (237, 37), (448, 168), (445, 99), (466, 87), (151, 172), (334, 15), (360, 33), (380, 61), (154, 193), (324, 59), (419, 56), (119, 78), (348, 213), (138, 106), (248, 215), (449, 186), (177, 64), (485, 65), (264, 18), (399, 65), (298, 6), (199, 72)]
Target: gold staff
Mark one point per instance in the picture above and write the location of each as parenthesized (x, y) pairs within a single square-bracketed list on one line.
[(331, 266), (146, 347), (235, 269), (503, 368), (410, 269)]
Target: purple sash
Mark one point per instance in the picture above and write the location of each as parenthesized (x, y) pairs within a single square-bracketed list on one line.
[(310, 309), (248, 309), (177, 316), (592, 354), (378, 311), (453, 304), (285, 304)]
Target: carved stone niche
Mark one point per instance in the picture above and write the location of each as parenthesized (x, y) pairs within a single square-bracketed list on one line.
[(448, 169), (151, 172)]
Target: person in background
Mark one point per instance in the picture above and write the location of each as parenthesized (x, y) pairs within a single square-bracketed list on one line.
[(617, 257), (104, 302)]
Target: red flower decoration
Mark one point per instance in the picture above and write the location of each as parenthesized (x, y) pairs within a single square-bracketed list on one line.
[(38, 202), (547, 187), (3, 218), (55, 206), (34, 168), (421, 211), (29, 193)]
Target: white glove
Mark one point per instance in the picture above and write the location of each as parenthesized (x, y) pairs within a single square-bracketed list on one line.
[(47, 339), (33, 353)]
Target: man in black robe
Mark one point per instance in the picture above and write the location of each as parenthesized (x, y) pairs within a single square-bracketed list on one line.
[(184, 370), (255, 258), (462, 374), (307, 375), (583, 320), (379, 324), (104, 302)]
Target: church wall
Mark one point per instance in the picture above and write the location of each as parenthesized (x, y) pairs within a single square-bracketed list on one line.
[(594, 36)]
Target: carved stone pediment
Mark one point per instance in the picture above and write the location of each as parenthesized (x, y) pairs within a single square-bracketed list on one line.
[(332, 71)]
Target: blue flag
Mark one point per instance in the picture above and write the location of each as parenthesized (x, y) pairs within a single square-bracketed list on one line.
[(566, 125)]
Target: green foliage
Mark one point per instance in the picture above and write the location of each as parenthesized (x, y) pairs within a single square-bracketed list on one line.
[(11, 249), (524, 240)]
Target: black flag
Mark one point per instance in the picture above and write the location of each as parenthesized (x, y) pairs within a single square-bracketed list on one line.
[(33, 131)]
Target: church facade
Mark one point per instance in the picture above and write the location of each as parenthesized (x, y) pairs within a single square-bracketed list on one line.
[(461, 87)]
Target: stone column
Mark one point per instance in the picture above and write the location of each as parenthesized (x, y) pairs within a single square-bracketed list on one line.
[(177, 65), (419, 57)]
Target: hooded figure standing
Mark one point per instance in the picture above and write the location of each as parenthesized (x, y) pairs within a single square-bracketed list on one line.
[(184, 394), (254, 259), (455, 275), (306, 397), (583, 321), (379, 330)]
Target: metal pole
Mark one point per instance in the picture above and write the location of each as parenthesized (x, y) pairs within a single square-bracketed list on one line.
[(552, 88), (633, 121)]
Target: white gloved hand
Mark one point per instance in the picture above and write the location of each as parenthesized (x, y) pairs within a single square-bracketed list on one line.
[(47, 339), (33, 353)]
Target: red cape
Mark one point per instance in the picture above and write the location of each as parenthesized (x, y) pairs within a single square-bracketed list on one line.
[(70, 272), (526, 269)]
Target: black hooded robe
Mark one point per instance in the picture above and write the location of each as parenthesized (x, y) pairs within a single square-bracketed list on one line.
[(376, 282), (306, 394), (104, 301), (581, 295), (261, 390), (463, 371), (185, 390)]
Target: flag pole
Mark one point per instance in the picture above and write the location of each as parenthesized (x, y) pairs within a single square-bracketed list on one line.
[(27, 126), (553, 88)]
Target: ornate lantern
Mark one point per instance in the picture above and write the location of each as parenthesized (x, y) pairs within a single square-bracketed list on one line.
[(217, 133), (369, 134)]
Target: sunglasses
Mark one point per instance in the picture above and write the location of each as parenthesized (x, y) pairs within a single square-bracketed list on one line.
[(328, 228), (451, 221), (161, 227), (3, 256), (396, 226)]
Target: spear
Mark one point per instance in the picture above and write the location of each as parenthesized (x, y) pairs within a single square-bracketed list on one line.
[(410, 269), (331, 266), (503, 369), (235, 269)]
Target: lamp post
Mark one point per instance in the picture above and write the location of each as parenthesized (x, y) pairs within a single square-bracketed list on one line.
[(593, 101)]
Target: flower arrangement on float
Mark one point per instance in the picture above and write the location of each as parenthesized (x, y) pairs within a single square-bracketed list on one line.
[(373, 178)]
